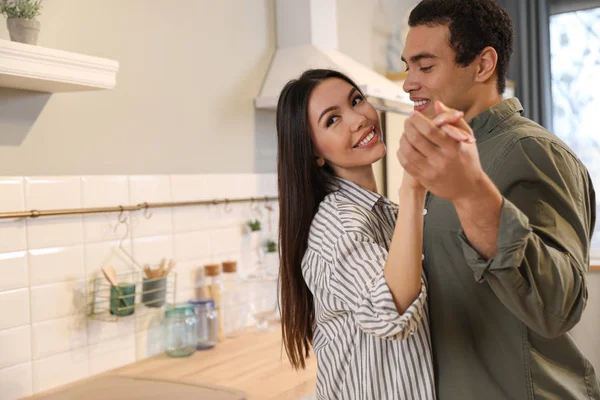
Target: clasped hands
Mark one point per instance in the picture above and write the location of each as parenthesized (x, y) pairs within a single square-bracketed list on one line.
[(440, 155)]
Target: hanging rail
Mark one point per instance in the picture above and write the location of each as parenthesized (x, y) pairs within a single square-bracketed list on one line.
[(138, 207)]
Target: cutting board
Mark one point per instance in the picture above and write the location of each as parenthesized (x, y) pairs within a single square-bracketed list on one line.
[(133, 388)]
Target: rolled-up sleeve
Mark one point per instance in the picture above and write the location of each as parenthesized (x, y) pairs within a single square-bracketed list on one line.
[(546, 222), (359, 281)]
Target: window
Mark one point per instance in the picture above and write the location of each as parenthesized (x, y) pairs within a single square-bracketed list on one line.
[(575, 66)]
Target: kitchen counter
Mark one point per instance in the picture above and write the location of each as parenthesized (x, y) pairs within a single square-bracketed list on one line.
[(253, 363)]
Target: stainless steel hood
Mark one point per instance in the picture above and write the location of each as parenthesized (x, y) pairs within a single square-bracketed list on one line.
[(307, 38)]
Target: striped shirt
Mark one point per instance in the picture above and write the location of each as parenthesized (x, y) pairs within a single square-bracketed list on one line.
[(365, 349)]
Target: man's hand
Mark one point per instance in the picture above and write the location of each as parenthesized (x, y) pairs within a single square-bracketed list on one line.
[(441, 153)]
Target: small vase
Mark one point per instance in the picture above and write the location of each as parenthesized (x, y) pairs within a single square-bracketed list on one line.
[(23, 30), (256, 246)]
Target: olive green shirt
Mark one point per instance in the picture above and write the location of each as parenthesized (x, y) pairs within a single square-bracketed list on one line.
[(500, 327)]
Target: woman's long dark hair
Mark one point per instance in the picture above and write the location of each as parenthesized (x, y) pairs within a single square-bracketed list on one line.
[(302, 186)]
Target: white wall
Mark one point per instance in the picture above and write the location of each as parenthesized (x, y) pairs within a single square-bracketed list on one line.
[(48, 267), (586, 332)]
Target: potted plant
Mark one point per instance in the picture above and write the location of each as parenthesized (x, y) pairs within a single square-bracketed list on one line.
[(270, 246), (255, 245), (271, 257), (20, 19), (254, 225)]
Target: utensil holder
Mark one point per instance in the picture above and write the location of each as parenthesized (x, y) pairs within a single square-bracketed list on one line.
[(154, 291), (122, 299), (135, 295)]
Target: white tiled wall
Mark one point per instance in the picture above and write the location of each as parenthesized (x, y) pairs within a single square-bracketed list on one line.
[(46, 265)]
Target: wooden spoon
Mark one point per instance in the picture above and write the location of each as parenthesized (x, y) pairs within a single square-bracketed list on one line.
[(161, 268), (110, 274), (170, 267), (148, 271)]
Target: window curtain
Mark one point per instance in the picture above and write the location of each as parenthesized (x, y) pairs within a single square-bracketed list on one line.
[(530, 64)]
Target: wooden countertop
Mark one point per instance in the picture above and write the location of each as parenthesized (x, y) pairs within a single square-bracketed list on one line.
[(254, 363)]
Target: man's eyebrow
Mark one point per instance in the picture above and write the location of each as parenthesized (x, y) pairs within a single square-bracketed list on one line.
[(420, 56)]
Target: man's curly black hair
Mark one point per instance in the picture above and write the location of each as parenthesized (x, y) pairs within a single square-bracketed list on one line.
[(473, 25)]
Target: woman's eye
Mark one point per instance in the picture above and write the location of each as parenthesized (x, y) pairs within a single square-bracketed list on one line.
[(427, 69), (332, 120), (357, 100)]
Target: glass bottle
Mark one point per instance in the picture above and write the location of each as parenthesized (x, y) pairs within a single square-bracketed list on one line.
[(214, 287), (233, 308)]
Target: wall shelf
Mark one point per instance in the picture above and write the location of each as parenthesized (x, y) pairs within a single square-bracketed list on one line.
[(46, 70)]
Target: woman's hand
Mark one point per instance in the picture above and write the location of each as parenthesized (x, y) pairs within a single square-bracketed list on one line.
[(408, 182)]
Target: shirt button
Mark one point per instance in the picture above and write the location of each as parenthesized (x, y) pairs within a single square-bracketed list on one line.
[(424, 211), (422, 257)]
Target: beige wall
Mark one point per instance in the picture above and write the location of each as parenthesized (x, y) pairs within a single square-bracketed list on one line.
[(184, 99), (185, 90)]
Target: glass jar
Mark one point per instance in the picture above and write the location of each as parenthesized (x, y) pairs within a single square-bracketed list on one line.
[(208, 323), (181, 330)]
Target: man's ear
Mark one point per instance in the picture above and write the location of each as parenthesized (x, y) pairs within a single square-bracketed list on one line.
[(486, 64)]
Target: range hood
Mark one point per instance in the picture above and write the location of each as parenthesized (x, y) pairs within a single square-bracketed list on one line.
[(307, 38)]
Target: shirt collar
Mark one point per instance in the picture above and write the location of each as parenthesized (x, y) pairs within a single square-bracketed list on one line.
[(486, 121), (358, 194)]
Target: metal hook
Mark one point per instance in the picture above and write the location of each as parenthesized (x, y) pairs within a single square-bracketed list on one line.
[(122, 221), (227, 207), (147, 214), (126, 234), (268, 206), (122, 216), (269, 209), (254, 205)]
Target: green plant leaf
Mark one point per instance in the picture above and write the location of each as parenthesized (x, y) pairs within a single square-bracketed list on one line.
[(26, 9), (271, 246), (254, 225)]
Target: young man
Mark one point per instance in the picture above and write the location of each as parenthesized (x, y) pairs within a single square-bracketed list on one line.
[(508, 221)]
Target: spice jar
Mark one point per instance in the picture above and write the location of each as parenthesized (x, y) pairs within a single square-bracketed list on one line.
[(181, 330), (208, 323)]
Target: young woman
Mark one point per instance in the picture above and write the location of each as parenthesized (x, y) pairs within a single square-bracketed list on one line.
[(351, 279)]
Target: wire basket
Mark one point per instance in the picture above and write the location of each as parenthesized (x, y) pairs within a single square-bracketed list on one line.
[(135, 295)]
